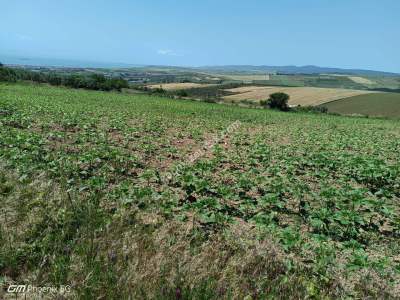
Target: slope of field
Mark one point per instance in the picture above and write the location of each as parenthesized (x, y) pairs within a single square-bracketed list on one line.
[(139, 197), (177, 86), (298, 95), (357, 79), (247, 78), (377, 104), (362, 80)]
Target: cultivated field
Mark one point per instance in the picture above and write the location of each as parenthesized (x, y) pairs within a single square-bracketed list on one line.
[(356, 79), (177, 86), (380, 104), (247, 78), (142, 197), (298, 95), (362, 80)]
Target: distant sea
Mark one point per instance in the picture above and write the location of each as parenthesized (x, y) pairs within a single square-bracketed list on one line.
[(56, 62)]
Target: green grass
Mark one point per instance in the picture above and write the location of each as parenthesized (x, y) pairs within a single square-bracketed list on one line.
[(379, 104), (323, 81), (331, 81), (97, 191)]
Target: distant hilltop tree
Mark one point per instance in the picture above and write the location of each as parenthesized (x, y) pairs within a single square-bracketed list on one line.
[(7, 74), (93, 82), (277, 101)]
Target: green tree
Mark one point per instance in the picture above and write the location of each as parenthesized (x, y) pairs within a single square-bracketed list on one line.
[(7, 74), (181, 93), (54, 79), (278, 101), (118, 83)]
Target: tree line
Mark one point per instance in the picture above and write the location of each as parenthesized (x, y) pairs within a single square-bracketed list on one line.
[(92, 82)]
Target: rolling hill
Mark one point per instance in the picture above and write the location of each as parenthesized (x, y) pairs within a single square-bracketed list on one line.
[(293, 70), (382, 104)]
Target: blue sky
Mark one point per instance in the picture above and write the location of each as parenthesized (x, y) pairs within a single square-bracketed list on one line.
[(340, 33)]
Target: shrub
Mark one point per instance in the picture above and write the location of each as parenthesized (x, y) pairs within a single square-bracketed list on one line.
[(321, 109), (7, 74), (181, 93), (159, 90), (312, 109), (76, 81), (278, 101), (119, 83), (54, 79), (247, 102)]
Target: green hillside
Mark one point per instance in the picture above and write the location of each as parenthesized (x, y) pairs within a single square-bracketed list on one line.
[(121, 195), (379, 104)]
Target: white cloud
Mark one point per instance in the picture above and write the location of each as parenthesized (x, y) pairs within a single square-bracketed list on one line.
[(167, 52)]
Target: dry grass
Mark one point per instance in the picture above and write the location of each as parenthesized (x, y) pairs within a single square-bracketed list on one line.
[(356, 79), (177, 85), (361, 80), (248, 78), (165, 264), (303, 96)]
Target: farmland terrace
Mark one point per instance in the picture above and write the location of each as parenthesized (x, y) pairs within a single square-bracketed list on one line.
[(125, 195)]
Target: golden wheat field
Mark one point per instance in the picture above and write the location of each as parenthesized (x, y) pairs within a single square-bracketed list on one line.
[(298, 95), (361, 80), (356, 79), (177, 85), (248, 78)]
